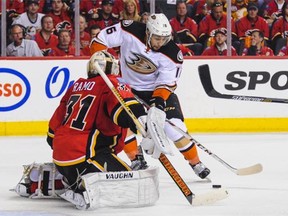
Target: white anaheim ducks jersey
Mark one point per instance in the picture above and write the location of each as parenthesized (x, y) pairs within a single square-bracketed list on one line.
[(30, 27), (142, 69)]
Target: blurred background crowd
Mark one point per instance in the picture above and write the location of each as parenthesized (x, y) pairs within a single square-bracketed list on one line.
[(47, 27)]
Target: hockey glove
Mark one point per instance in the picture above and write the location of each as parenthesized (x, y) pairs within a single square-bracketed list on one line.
[(133, 127), (149, 147)]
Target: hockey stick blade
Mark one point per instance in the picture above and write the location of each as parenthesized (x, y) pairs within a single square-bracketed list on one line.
[(239, 171), (210, 197), (257, 168), (205, 77)]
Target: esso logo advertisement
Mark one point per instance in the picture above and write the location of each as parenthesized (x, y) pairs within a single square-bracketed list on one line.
[(14, 89)]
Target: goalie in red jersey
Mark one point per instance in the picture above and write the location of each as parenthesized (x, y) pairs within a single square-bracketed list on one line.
[(88, 128), (86, 132)]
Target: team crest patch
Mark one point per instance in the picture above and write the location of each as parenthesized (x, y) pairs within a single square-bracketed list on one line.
[(127, 22), (66, 25), (122, 87), (180, 56)]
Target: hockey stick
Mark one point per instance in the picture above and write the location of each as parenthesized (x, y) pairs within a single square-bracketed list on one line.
[(239, 171), (206, 81), (208, 198)]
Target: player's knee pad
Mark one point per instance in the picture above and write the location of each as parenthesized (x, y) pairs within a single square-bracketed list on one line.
[(183, 144), (40, 180), (172, 133), (121, 189)]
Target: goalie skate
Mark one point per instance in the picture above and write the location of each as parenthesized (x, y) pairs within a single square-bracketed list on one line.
[(40, 180)]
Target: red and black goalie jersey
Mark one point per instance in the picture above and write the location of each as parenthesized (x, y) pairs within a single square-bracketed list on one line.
[(90, 119)]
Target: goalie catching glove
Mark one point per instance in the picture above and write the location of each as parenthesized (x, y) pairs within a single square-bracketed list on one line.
[(156, 141)]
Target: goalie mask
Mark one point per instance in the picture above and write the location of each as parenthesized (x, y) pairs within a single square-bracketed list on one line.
[(158, 24), (106, 61)]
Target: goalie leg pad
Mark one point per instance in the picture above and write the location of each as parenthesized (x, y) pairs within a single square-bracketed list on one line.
[(79, 200), (121, 189)]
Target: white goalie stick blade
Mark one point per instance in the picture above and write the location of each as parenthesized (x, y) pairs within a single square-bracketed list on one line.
[(209, 197), (257, 168), (205, 77)]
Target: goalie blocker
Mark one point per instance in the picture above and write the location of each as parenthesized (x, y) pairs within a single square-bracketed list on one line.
[(106, 189)]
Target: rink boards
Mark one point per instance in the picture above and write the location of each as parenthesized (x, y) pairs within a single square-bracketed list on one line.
[(30, 90)]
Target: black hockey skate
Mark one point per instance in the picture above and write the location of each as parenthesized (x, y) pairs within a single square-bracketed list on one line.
[(139, 163), (200, 170)]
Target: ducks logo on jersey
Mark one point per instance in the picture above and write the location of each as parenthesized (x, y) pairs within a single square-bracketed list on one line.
[(141, 64)]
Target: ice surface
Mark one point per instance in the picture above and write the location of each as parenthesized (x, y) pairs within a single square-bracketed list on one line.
[(265, 193)]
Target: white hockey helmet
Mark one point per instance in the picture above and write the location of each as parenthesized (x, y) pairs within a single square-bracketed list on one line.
[(158, 24), (106, 61)]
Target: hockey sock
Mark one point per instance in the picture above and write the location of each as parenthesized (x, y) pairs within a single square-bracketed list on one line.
[(130, 147), (188, 150)]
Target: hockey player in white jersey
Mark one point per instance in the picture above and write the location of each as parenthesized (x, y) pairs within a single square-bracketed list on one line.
[(151, 63), (31, 19)]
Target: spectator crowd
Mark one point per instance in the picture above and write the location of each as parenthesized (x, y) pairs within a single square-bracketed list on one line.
[(46, 27)]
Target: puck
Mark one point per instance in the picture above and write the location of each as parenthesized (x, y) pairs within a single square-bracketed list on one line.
[(216, 186)]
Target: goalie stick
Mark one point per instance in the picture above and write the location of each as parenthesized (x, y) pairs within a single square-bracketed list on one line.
[(239, 171), (205, 77), (193, 199)]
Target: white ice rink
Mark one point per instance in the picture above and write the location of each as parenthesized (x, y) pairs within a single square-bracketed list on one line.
[(261, 194)]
